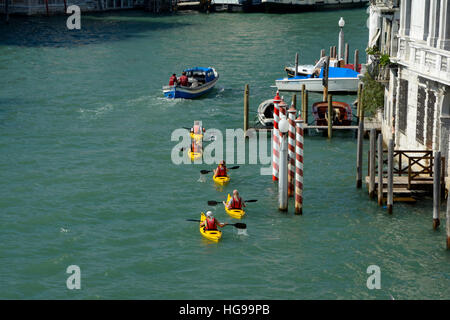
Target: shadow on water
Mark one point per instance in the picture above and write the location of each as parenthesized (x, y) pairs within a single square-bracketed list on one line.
[(42, 31)]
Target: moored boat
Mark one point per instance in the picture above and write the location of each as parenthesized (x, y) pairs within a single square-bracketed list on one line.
[(265, 113), (342, 113), (201, 81), (339, 80)]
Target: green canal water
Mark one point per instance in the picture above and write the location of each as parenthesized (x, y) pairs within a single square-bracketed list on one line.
[(87, 178)]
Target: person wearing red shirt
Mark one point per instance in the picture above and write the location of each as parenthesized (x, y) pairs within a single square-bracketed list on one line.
[(173, 80), (183, 81)]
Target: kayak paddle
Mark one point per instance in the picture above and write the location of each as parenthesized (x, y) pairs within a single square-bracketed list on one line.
[(237, 225), (208, 171), (213, 203)]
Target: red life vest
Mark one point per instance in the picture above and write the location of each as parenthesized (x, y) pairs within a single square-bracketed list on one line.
[(210, 224), (194, 147), (221, 171), (172, 80), (184, 81), (236, 204)]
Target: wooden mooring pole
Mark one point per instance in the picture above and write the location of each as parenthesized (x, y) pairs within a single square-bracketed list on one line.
[(380, 169), (436, 189), (326, 71), (303, 101), (390, 182), (359, 101), (347, 52), (322, 53), (305, 117), (246, 106), (296, 65), (294, 101), (372, 151), (330, 116), (359, 155), (447, 220), (356, 61)]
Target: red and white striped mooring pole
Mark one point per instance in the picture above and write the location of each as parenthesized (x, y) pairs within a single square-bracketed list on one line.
[(299, 166), (275, 137), (292, 113)]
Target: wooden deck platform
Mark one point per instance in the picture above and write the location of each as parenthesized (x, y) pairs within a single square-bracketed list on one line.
[(368, 125), (402, 182)]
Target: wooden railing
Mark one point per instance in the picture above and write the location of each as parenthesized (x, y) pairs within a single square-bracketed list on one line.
[(417, 165)]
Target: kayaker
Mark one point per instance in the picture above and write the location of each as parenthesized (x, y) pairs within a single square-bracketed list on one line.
[(221, 170), (173, 80), (211, 223), (235, 202), (183, 81), (195, 147)]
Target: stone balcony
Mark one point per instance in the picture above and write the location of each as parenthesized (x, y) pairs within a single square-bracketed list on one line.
[(385, 4), (429, 62)]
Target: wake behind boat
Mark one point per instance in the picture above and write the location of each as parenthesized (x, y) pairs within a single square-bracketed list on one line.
[(194, 83)]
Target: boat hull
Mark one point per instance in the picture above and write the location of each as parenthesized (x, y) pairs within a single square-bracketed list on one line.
[(177, 92), (289, 6), (342, 113), (315, 84)]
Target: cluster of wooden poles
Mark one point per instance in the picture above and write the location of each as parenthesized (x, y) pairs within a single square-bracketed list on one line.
[(287, 153), (376, 148)]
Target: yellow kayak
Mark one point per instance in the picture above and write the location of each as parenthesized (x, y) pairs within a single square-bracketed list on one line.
[(234, 213), (213, 235), (221, 180), (194, 155)]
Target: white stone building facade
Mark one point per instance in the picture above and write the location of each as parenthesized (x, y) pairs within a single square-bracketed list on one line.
[(31, 7), (417, 97)]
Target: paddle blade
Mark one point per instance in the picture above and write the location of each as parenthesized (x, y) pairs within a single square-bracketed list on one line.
[(235, 167), (240, 225), (193, 220), (212, 203), (205, 171), (251, 200)]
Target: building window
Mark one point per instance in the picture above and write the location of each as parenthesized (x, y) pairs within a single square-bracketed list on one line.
[(431, 106), (420, 119), (407, 16), (426, 25), (402, 105)]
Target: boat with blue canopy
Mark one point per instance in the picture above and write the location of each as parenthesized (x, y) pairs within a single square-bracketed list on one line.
[(339, 80), (200, 81)]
